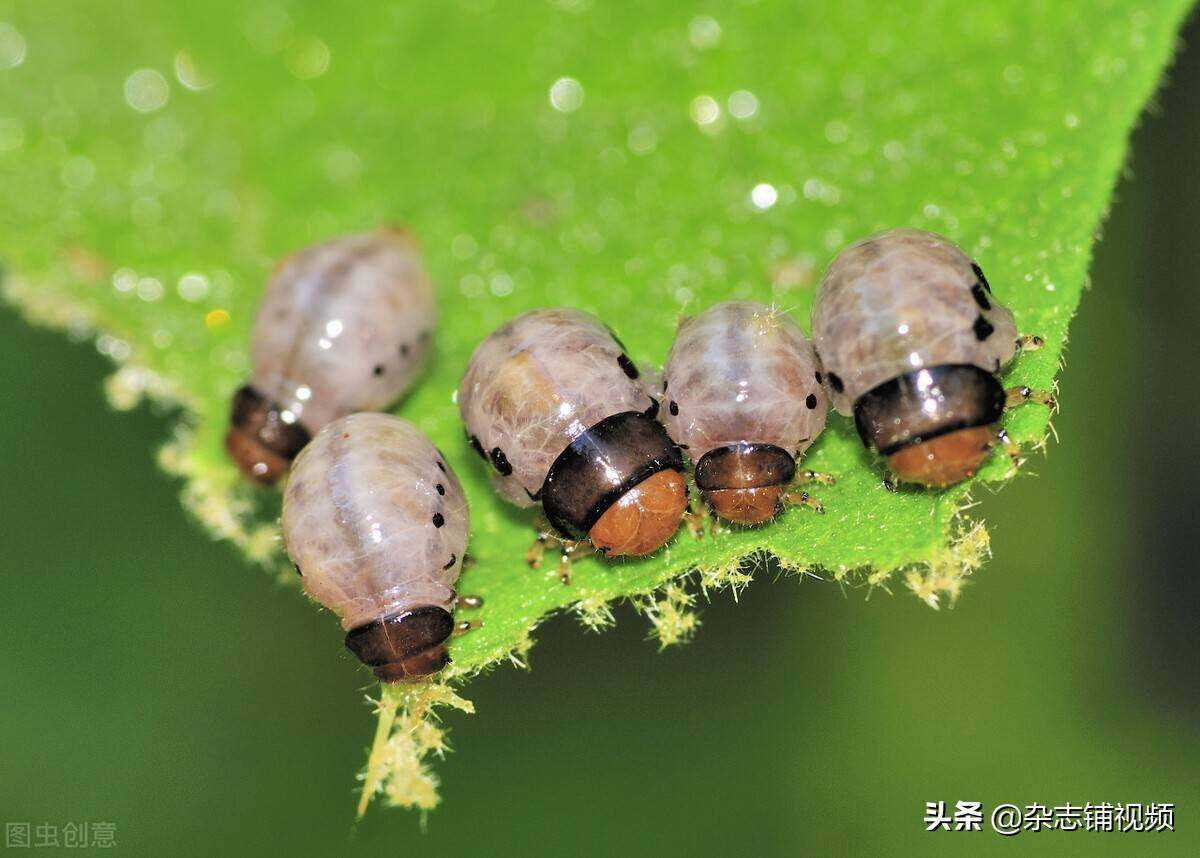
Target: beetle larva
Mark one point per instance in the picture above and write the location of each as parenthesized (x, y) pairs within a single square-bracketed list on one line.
[(911, 339), (555, 405), (743, 399), (376, 523), (343, 327)]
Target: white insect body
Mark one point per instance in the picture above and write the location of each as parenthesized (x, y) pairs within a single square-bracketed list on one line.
[(910, 339), (344, 326), (555, 405), (376, 523)]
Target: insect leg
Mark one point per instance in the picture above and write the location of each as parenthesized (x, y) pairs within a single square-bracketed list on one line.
[(542, 536), (816, 477), (697, 518), (796, 496), (568, 549), (1015, 396), (1011, 448), (1030, 342)]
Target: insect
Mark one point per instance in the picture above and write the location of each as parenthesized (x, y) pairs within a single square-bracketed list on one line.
[(343, 327), (376, 523), (911, 339), (554, 404), (742, 397)]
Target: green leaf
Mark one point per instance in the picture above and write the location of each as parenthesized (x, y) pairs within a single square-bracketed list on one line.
[(156, 158)]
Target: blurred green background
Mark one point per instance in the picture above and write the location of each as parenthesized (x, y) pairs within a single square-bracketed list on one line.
[(153, 679)]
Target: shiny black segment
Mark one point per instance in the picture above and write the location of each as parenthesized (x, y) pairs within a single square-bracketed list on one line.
[(399, 636), (923, 404), (744, 466)]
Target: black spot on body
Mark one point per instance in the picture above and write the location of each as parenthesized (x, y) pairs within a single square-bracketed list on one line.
[(652, 411), (811, 400), (664, 385), (438, 519), (982, 328), (441, 490), (378, 369), (404, 349), (478, 448), (979, 274), (673, 407), (628, 366), (441, 466), (836, 382), (500, 462), (817, 376), (980, 296), (451, 562)]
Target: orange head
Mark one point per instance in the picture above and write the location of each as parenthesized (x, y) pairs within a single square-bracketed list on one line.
[(745, 506), (744, 482), (944, 460), (644, 518)]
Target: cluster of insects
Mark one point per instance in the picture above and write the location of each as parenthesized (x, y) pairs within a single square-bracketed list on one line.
[(908, 340)]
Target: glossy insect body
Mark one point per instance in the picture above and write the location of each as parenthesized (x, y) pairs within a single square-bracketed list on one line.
[(557, 408), (343, 327), (376, 523), (911, 338), (742, 395)]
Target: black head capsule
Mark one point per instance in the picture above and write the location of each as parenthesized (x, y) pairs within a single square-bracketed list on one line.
[(260, 440), (620, 484), (936, 426), (405, 646), (744, 482)]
